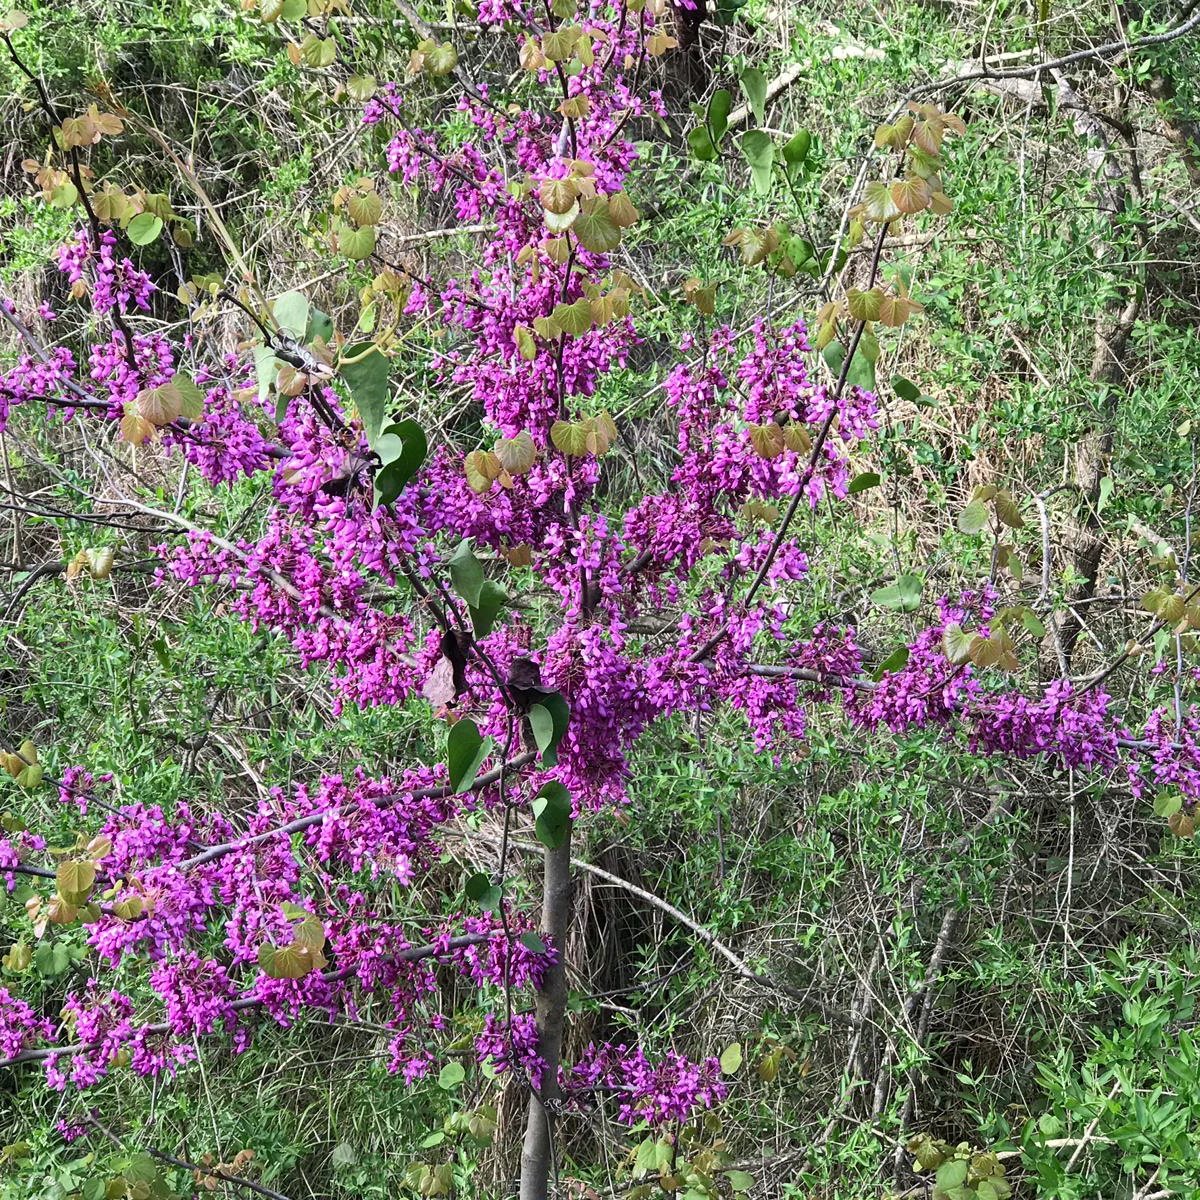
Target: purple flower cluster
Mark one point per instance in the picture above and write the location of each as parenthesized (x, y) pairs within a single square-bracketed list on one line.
[(1168, 755), (512, 1045), (20, 1025), (37, 379), (672, 1088), (70, 1132), (114, 283)]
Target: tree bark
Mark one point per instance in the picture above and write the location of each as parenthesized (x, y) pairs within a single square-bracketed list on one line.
[(538, 1163), (1093, 454)]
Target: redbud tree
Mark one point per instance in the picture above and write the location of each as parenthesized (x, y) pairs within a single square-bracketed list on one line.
[(540, 617)]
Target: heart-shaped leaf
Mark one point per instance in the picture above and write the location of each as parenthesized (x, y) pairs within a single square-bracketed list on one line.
[(759, 152), (365, 370), (552, 813), (548, 720), (144, 228), (465, 751)]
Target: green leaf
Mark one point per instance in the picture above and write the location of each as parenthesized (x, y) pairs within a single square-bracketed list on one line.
[(451, 1075), (526, 346), (284, 962), (542, 724), (18, 957), (144, 228), (861, 483), (141, 1169), (484, 892), (957, 644), (402, 449), (740, 1181), (552, 813), (191, 397), (291, 313), (366, 375), (441, 60), (731, 1059), (896, 661), (465, 752), (344, 1155), (801, 252), (1162, 639), (595, 229), (516, 454), (365, 208), (570, 437), (862, 370), (320, 325), (51, 959), (952, 1174), (904, 594), (864, 306), (906, 389), (754, 84), (532, 943), (266, 366), (795, 151), (1154, 600), (1032, 623), (65, 195), (356, 244), (1008, 512), (646, 1158), (466, 572), (75, 879), (717, 115), (701, 143), (559, 45), (1167, 804), (548, 721), (760, 154), (877, 202), (492, 598), (31, 777), (389, 446), (575, 319), (974, 517)]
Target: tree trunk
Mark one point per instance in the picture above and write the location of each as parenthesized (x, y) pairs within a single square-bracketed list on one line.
[(1114, 324), (538, 1161)]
